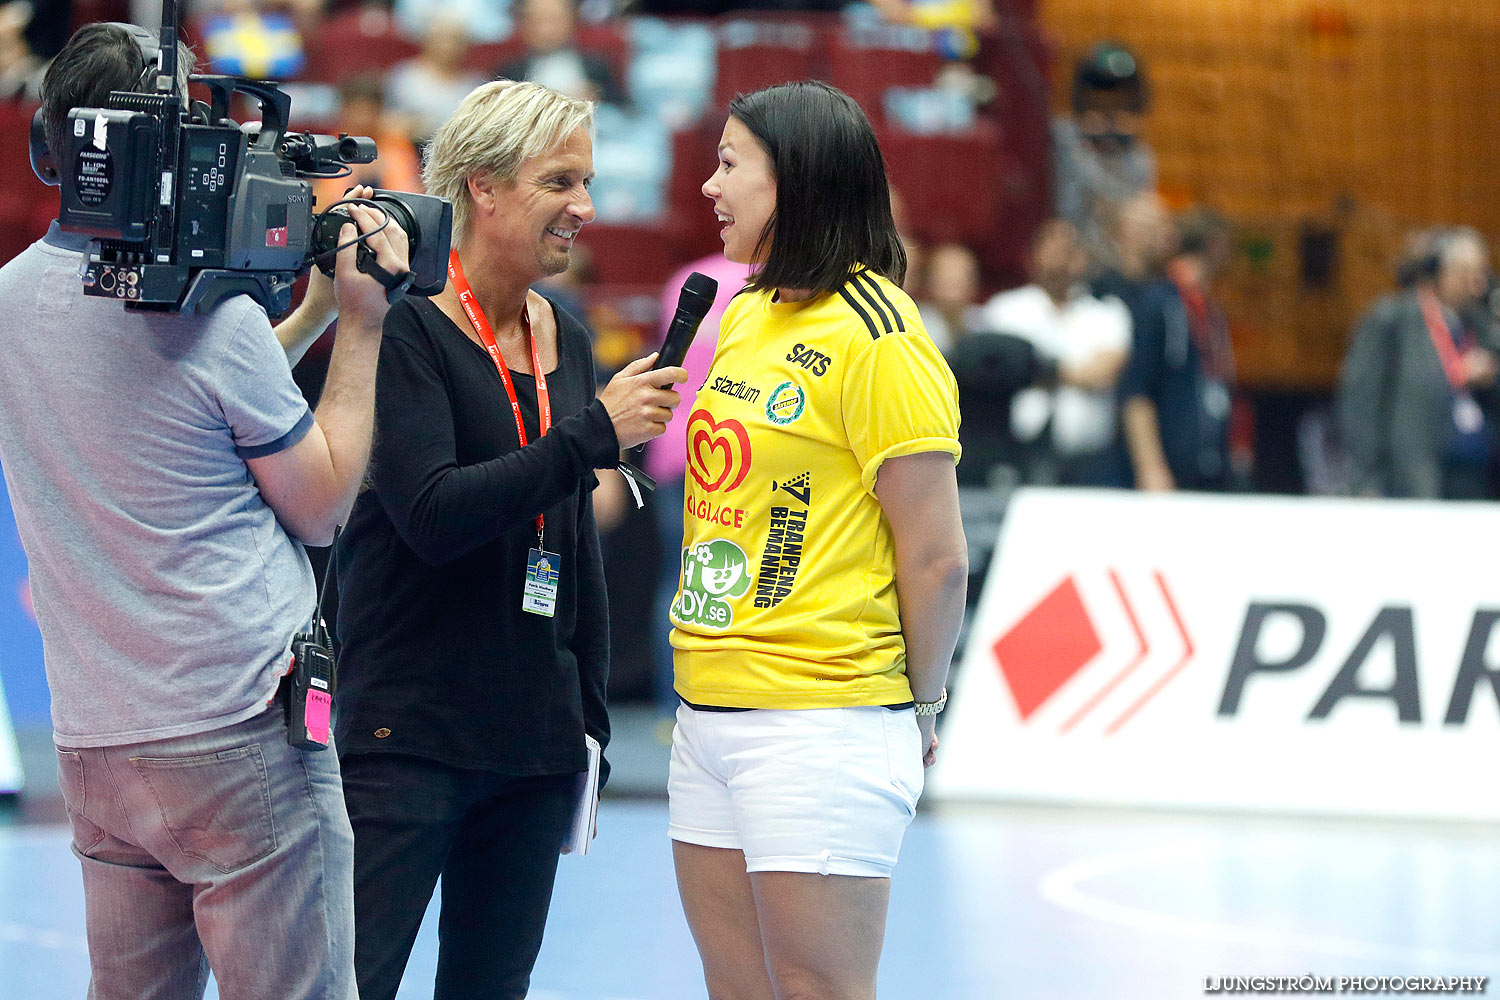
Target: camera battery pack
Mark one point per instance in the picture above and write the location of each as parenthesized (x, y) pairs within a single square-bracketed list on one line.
[(309, 695)]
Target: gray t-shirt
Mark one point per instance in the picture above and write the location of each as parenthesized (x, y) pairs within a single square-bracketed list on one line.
[(1084, 180), (166, 590)]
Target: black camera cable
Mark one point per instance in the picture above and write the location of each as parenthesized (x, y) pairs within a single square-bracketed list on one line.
[(396, 284)]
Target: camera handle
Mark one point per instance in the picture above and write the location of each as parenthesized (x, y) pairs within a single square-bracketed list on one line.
[(275, 105)]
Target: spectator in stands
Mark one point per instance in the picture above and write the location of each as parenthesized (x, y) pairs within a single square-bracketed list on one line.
[(362, 112), (1175, 388), (20, 68), (552, 57), (487, 20), (1098, 154), (1417, 392), (257, 38), (51, 24), (950, 294), (425, 90), (955, 23), (1088, 340)]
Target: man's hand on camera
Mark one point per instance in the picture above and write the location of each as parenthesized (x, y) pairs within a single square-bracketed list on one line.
[(640, 401), (361, 298)]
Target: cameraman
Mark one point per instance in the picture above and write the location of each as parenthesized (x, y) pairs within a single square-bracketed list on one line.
[(165, 473)]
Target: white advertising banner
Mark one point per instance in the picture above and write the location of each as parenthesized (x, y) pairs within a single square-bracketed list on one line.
[(1251, 653), (11, 777)]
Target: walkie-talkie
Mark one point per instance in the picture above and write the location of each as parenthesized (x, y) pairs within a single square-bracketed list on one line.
[(311, 681)]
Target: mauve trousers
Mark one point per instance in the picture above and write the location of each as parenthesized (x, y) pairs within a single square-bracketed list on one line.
[(228, 849)]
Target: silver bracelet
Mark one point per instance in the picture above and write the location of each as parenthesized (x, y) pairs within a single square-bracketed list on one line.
[(932, 707)]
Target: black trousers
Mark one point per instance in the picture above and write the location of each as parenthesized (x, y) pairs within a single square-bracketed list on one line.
[(493, 839)]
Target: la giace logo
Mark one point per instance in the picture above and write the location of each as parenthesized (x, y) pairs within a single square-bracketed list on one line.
[(718, 452)]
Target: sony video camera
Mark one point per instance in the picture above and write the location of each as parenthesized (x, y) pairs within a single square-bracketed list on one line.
[(186, 206)]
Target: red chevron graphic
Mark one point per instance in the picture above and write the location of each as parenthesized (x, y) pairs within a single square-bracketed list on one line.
[(1187, 654), (1042, 651), (1056, 639), (1136, 661)]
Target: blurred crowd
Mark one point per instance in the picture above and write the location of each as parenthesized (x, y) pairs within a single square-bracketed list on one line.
[(1112, 366), (1111, 363)]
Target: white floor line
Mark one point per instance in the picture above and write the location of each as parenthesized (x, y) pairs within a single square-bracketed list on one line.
[(1063, 888)]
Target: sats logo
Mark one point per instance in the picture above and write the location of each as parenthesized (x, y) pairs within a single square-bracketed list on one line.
[(718, 452)]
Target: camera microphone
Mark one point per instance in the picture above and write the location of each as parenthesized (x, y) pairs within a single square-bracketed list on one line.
[(696, 299)]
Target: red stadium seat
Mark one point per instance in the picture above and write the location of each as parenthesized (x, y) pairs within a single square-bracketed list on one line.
[(487, 57), (26, 204), (1018, 58), (630, 255), (865, 63), (1021, 180), (88, 11), (945, 182), (360, 41), (756, 52), (611, 42), (690, 215)]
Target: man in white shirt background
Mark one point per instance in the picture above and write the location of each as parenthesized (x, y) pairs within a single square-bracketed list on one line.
[(1072, 425)]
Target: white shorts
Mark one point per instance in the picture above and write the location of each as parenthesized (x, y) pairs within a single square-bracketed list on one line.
[(828, 791)]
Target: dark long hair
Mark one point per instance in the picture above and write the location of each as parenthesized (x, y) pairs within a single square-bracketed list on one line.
[(833, 205)]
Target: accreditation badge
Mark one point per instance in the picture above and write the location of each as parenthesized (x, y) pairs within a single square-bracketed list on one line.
[(1467, 416), (539, 595)]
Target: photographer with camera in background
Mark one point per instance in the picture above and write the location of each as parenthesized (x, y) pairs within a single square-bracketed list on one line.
[(165, 473)]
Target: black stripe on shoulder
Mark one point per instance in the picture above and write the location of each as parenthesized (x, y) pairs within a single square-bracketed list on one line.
[(854, 304), (874, 306), (900, 323)]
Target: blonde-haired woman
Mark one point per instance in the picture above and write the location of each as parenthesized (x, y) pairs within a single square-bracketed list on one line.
[(472, 609)]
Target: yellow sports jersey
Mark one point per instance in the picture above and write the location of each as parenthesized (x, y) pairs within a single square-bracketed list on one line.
[(787, 596)]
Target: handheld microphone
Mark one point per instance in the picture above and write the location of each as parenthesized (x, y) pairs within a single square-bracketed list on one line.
[(693, 304), (696, 299)]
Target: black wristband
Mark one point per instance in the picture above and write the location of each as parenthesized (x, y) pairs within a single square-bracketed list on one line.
[(395, 284)]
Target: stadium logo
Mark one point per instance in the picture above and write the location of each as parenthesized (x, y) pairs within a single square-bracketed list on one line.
[(718, 453)]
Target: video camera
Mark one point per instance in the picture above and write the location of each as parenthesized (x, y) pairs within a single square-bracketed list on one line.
[(187, 207)]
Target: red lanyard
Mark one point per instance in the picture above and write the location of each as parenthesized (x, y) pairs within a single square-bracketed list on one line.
[(487, 338), (1442, 339)]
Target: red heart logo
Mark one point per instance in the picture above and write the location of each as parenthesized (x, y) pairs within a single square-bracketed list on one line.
[(707, 438)]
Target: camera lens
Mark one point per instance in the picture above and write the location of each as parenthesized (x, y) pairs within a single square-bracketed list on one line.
[(402, 217)]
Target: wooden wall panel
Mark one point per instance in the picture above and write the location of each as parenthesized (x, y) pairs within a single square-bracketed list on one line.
[(1363, 118)]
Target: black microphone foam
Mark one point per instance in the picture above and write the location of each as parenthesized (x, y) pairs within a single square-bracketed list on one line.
[(693, 304)]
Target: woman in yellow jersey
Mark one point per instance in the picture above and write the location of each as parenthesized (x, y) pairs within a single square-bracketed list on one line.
[(823, 566)]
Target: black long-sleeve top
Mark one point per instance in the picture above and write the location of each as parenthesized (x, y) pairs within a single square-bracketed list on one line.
[(437, 657)]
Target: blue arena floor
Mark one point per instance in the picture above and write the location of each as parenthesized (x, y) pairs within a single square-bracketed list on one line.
[(987, 903)]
